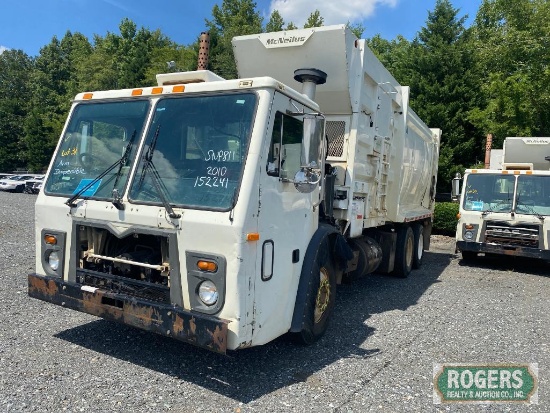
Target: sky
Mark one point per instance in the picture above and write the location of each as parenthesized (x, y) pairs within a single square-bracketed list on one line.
[(29, 25)]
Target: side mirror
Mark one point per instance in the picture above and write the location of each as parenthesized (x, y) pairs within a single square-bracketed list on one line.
[(312, 156), (455, 191)]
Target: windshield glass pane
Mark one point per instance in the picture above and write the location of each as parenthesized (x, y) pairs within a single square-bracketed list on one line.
[(533, 195), (492, 193), (196, 148), (96, 137)]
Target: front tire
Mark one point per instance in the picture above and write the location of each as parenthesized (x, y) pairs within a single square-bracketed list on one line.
[(321, 296), (404, 254)]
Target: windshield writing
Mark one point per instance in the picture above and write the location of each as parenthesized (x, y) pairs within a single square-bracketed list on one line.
[(97, 136), (489, 193), (195, 151), (495, 193)]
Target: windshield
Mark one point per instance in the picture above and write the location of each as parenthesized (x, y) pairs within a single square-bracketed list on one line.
[(495, 193), (195, 151), (489, 193), (533, 197), (96, 137)]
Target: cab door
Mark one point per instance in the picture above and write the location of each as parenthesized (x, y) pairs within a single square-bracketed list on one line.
[(287, 221)]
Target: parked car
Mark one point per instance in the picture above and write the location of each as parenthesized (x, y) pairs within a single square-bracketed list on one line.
[(33, 186), (15, 183)]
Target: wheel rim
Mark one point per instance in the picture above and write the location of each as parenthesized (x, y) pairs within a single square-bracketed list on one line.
[(409, 251), (420, 249), (323, 295)]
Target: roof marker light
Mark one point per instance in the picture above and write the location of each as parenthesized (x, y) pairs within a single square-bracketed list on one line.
[(137, 92), (178, 89), (87, 95)]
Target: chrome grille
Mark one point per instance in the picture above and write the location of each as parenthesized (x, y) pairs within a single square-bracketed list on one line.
[(505, 234)]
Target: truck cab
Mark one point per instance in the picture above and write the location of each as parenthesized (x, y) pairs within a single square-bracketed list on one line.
[(506, 211)]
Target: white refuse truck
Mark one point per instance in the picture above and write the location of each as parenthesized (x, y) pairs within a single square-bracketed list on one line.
[(224, 213), (506, 210)]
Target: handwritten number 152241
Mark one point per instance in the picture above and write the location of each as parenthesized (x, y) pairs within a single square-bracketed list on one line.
[(211, 181)]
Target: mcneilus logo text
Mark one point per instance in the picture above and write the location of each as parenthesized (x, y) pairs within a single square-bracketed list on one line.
[(485, 383)]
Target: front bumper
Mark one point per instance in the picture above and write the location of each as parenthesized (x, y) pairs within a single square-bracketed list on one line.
[(513, 250), (199, 329)]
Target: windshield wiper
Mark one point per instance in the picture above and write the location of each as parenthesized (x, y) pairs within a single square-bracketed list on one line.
[(148, 165), (492, 209), (530, 209), (117, 200)]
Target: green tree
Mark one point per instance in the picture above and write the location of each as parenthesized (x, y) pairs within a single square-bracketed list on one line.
[(512, 50), (445, 87), (291, 26), (275, 23), (395, 55), (15, 90), (232, 18), (314, 20), (357, 29), (49, 103)]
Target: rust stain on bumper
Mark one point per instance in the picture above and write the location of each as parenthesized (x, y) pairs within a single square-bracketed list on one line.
[(199, 329)]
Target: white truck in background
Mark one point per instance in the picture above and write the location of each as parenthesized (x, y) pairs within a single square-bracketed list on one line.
[(505, 210), (224, 213)]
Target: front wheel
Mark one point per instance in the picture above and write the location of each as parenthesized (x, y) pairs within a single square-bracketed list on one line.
[(321, 295)]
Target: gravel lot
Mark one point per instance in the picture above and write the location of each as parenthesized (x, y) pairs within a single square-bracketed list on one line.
[(378, 354)]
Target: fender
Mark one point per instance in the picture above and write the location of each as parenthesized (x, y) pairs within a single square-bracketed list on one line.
[(341, 250)]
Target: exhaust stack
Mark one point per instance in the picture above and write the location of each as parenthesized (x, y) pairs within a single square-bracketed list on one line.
[(204, 50), (310, 78), (488, 147)]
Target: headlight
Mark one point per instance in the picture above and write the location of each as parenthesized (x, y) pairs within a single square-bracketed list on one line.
[(53, 260), (468, 235), (208, 293)]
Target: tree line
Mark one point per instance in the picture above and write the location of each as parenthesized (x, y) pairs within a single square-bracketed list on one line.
[(491, 77)]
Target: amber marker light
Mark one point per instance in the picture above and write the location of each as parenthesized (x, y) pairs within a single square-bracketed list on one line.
[(156, 91), (50, 239), (137, 92), (458, 216), (178, 89), (207, 266), (252, 236), (87, 95)]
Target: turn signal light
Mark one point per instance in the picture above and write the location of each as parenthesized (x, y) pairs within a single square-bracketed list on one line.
[(469, 226), (458, 216), (209, 266), (50, 239), (252, 236)]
